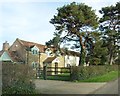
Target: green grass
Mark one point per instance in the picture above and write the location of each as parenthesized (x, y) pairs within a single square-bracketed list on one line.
[(62, 77), (103, 78)]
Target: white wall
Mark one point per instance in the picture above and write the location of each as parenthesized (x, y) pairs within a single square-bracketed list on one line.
[(72, 60)]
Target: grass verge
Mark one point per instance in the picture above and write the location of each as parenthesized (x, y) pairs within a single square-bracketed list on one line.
[(103, 78)]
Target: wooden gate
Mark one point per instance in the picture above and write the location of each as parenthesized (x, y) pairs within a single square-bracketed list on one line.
[(54, 71)]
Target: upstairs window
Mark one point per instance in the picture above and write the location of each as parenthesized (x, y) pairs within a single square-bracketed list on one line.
[(68, 65), (35, 52), (49, 52), (58, 53), (68, 57)]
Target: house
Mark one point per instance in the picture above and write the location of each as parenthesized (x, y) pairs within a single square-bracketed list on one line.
[(5, 57), (4, 54), (9, 56), (36, 54), (71, 58), (30, 52)]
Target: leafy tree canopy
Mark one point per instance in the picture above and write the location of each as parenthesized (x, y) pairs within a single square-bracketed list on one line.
[(110, 25), (71, 24)]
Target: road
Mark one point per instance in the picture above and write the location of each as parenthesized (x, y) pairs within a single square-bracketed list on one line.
[(63, 87), (109, 88)]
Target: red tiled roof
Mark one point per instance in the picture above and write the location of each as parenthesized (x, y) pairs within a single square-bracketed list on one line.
[(29, 44), (14, 56), (43, 47)]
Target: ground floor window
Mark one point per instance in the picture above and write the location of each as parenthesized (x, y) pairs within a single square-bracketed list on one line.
[(68, 65), (34, 64)]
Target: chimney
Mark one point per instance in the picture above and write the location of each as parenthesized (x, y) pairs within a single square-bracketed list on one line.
[(5, 46)]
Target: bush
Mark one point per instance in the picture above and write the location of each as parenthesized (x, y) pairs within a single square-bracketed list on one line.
[(82, 73), (17, 79)]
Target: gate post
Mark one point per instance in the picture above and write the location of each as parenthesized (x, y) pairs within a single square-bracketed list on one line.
[(70, 70), (45, 72)]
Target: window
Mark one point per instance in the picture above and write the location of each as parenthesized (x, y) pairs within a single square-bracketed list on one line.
[(58, 53), (34, 64), (35, 52), (68, 57), (49, 53), (68, 65)]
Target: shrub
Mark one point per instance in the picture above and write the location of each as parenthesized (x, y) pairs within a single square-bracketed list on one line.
[(75, 73), (17, 79), (82, 73)]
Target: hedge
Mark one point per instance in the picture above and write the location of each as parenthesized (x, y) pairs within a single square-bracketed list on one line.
[(82, 73), (17, 79)]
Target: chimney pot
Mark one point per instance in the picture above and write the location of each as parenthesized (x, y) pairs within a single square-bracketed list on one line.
[(5, 46)]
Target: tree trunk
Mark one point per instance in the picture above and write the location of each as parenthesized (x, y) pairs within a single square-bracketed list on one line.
[(80, 58), (111, 58), (111, 53), (81, 52)]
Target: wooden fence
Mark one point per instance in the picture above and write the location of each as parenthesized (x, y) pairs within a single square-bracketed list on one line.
[(48, 71)]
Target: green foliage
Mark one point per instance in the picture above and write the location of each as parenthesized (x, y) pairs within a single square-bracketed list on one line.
[(99, 55), (82, 73), (65, 70), (76, 14), (103, 78), (19, 88), (55, 41), (71, 23), (75, 73), (17, 79), (61, 77), (110, 27)]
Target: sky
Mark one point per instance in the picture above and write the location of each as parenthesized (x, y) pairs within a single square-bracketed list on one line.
[(29, 19)]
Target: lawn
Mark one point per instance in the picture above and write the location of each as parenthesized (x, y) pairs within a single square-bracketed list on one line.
[(61, 77), (103, 78)]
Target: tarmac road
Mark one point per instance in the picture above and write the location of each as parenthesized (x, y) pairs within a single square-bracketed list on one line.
[(63, 87), (109, 88)]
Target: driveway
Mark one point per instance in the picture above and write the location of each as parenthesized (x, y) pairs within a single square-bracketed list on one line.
[(63, 87)]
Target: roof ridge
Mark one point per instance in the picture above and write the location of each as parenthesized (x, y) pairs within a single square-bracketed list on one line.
[(30, 42), (20, 41)]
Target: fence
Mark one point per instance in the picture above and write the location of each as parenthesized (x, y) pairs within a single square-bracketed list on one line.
[(52, 71)]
